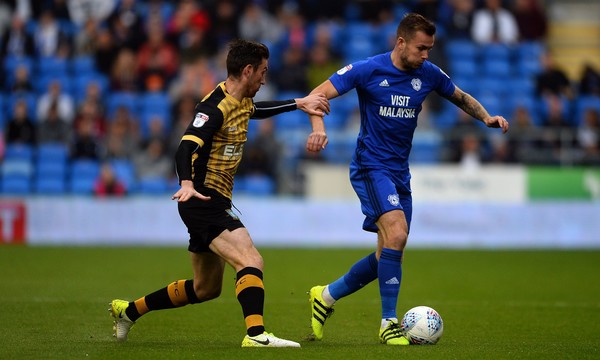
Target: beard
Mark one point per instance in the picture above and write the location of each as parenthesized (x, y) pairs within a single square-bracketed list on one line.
[(411, 65)]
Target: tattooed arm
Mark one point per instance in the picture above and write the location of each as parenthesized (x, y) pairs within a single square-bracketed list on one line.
[(471, 106)]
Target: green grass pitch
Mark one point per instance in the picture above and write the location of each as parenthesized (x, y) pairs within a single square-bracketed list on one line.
[(495, 305)]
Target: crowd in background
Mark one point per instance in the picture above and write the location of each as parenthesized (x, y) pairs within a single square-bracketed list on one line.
[(117, 81)]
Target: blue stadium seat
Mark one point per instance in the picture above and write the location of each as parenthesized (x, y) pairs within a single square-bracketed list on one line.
[(468, 84), (155, 102), (52, 152), (529, 50), (82, 65), (52, 65), (463, 67), (124, 171), (259, 185), (29, 98), (583, 103), (494, 51), (425, 152), (41, 84), (17, 167), (19, 152), (12, 62), (50, 185), (16, 185), (462, 49), (497, 68), (340, 149), (51, 169), (528, 67), (360, 42), (152, 186), (120, 98), (82, 186), (81, 82), (84, 169)]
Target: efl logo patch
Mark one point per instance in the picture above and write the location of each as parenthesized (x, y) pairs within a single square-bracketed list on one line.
[(394, 199), (200, 119), (416, 84), (344, 70)]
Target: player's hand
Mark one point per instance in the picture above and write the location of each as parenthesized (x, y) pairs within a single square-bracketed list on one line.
[(317, 140), (496, 122), (314, 104), (187, 191)]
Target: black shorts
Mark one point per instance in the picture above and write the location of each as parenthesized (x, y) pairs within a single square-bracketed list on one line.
[(205, 220)]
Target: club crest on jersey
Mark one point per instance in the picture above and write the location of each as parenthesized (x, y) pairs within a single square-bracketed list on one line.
[(416, 84), (200, 119), (345, 69), (393, 199)]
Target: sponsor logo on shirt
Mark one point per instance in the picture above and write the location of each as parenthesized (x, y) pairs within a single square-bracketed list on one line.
[(345, 69), (200, 119)]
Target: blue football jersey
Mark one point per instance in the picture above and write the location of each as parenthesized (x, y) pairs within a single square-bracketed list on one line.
[(390, 101)]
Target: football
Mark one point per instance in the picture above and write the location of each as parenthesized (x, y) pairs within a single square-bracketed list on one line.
[(422, 325)]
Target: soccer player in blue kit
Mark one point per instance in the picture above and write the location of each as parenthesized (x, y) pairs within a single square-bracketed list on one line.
[(391, 88)]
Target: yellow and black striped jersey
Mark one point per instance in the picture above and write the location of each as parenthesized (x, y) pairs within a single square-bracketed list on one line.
[(219, 128)]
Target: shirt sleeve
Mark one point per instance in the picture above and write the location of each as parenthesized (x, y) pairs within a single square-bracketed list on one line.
[(444, 85), (348, 77)]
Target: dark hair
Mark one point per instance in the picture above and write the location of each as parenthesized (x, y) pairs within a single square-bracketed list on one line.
[(242, 53), (411, 23)]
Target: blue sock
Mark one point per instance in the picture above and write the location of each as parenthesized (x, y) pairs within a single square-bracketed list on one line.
[(390, 277), (359, 275)]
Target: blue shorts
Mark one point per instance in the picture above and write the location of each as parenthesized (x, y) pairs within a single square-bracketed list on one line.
[(379, 194)]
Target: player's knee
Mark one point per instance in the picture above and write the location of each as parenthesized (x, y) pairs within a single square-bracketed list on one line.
[(396, 241), (206, 294)]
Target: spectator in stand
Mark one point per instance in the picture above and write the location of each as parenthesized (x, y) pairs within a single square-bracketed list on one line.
[(531, 20), (291, 76), (464, 126), (556, 134), (196, 79), (184, 111), (22, 80), (89, 111), (48, 37), (471, 153), (123, 74), (54, 129), (552, 81), (196, 42), (17, 42), (156, 130), (321, 64), (257, 24), (223, 16), (261, 153), (588, 137), (122, 139), (105, 51), (590, 81), (85, 143), (157, 60), (460, 20), (295, 33), (108, 184), (152, 162), (60, 10), (523, 137), (494, 24), (55, 95), (20, 129), (126, 24), (81, 10), (85, 40)]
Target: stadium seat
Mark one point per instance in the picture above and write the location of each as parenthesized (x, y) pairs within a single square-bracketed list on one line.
[(19, 152), (528, 68), (462, 50), (120, 98), (81, 82), (51, 169), (41, 84), (13, 98), (52, 152), (360, 42), (494, 51), (82, 186), (496, 68), (259, 185), (529, 50), (124, 170), (16, 185), (583, 103), (82, 65), (152, 186), (50, 186), (81, 168), (463, 67), (51, 66), (155, 102)]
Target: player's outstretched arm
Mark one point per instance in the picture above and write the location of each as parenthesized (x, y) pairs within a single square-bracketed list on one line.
[(474, 108), (317, 140), (313, 104)]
